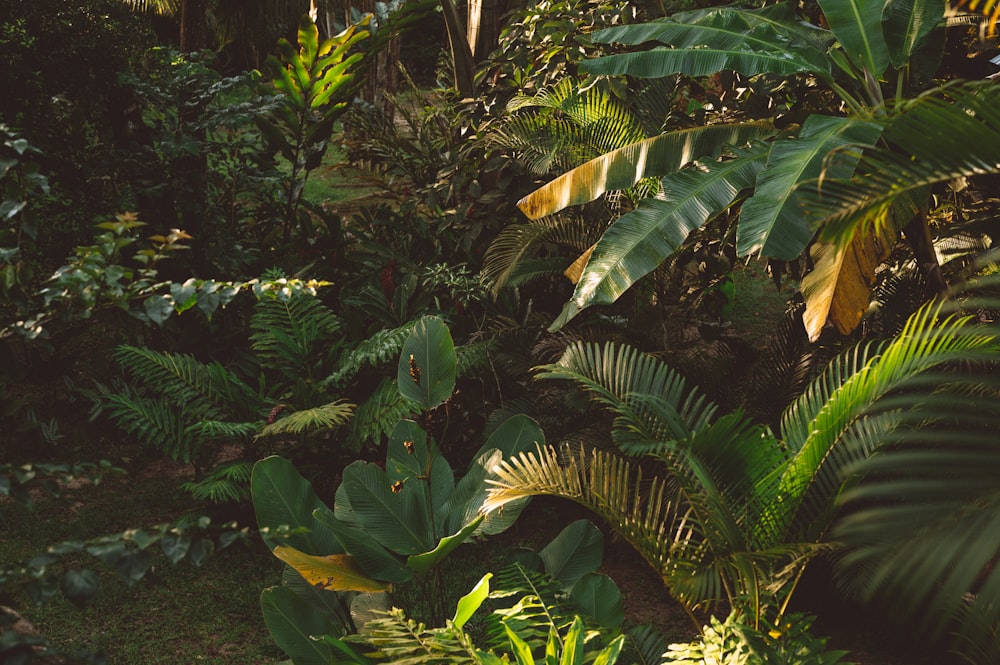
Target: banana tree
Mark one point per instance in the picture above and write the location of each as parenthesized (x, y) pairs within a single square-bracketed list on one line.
[(870, 44), (738, 512), (390, 524)]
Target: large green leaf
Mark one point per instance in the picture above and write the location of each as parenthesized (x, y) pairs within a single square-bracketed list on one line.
[(598, 596), (421, 563), (396, 515), (576, 551), (283, 498), (773, 222), (624, 167), (905, 23), (639, 241), (375, 559), (707, 42), (293, 625), (426, 371), (413, 458), (858, 27), (517, 434)]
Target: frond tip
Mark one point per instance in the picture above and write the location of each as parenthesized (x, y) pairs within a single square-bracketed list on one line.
[(327, 416)]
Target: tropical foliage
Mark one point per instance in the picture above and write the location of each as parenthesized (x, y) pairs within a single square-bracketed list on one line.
[(865, 44)]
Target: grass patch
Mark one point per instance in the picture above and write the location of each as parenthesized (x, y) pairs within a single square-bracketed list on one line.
[(176, 614)]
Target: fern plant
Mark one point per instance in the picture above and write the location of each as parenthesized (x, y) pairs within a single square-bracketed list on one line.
[(182, 406)]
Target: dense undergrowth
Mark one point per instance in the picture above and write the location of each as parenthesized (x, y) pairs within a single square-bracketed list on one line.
[(734, 297)]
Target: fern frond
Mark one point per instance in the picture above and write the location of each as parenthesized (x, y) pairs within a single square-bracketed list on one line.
[(229, 482), (474, 356), (157, 423), (203, 390), (532, 607), (328, 416), (402, 641), (377, 416), (217, 429), (382, 347), (288, 333)]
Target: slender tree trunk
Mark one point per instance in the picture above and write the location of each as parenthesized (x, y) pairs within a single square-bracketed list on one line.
[(918, 235), (194, 25)]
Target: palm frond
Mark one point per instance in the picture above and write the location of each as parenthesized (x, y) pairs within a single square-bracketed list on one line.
[(922, 528), (626, 380), (328, 416), (474, 356), (848, 411), (653, 516), (946, 133)]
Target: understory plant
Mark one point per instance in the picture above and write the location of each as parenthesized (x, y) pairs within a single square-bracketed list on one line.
[(736, 511), (390, 524)]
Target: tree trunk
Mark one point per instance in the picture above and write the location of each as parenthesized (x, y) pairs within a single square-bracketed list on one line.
[(194, 25), (918, 235)]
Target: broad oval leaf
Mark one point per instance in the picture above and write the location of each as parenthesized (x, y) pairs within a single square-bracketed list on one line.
[(294, 624), (639, 241), (374, 559), (337, 572), (282, 497), (599, 596), (576, 551), (624, 167), (421, 563), (426, 371), (396, 515)]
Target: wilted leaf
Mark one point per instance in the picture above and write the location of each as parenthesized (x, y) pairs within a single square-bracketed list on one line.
[(335, 571)]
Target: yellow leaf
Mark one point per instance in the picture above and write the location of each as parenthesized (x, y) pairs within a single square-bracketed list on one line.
[(575, 270), (337, 572), (838, 289)]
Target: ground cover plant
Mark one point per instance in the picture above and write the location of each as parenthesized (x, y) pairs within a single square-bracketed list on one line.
[(185, 299)]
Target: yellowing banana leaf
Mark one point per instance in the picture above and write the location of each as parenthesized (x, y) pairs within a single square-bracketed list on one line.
[(838, 289), (639, 241), (336, 572), (624, 167), (575, 270)]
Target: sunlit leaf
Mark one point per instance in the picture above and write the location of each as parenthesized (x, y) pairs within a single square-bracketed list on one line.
[(337, 572)]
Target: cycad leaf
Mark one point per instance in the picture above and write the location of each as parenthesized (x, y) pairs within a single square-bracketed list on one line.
[(857, 25), (624, 167), (838, 289), (639, 241), (707, 42), (905, 23), (327, 416), (338, 572), (945, 134), (773, 222)]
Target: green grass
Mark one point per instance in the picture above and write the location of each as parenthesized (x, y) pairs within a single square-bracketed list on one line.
[(176, 614)]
